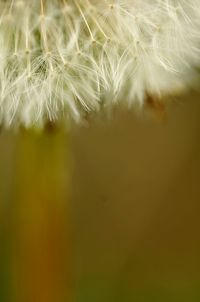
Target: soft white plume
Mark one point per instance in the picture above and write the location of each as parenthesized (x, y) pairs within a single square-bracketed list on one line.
[(61, 58)]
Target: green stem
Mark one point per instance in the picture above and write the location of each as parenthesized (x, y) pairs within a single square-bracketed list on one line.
[(41, 245)]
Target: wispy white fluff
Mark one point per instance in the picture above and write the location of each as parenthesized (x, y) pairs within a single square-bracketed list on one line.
[(62, 58)]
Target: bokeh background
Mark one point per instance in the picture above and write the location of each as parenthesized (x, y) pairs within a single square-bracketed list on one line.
[(134, 206)]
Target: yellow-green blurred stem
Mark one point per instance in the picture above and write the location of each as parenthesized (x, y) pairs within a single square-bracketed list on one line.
[(41, 245)]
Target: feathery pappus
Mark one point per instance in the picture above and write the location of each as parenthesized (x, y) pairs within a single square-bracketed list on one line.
[(62, 58)]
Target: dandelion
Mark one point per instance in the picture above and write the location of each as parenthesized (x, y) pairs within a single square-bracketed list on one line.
[(62, 58)]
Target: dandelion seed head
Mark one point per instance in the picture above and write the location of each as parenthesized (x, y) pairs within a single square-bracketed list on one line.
[(63, 58)]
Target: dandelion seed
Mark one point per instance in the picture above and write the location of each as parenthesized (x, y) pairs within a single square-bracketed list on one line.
[(67, 57)]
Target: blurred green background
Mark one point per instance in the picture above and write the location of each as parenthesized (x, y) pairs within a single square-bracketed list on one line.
[(134, 206)]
